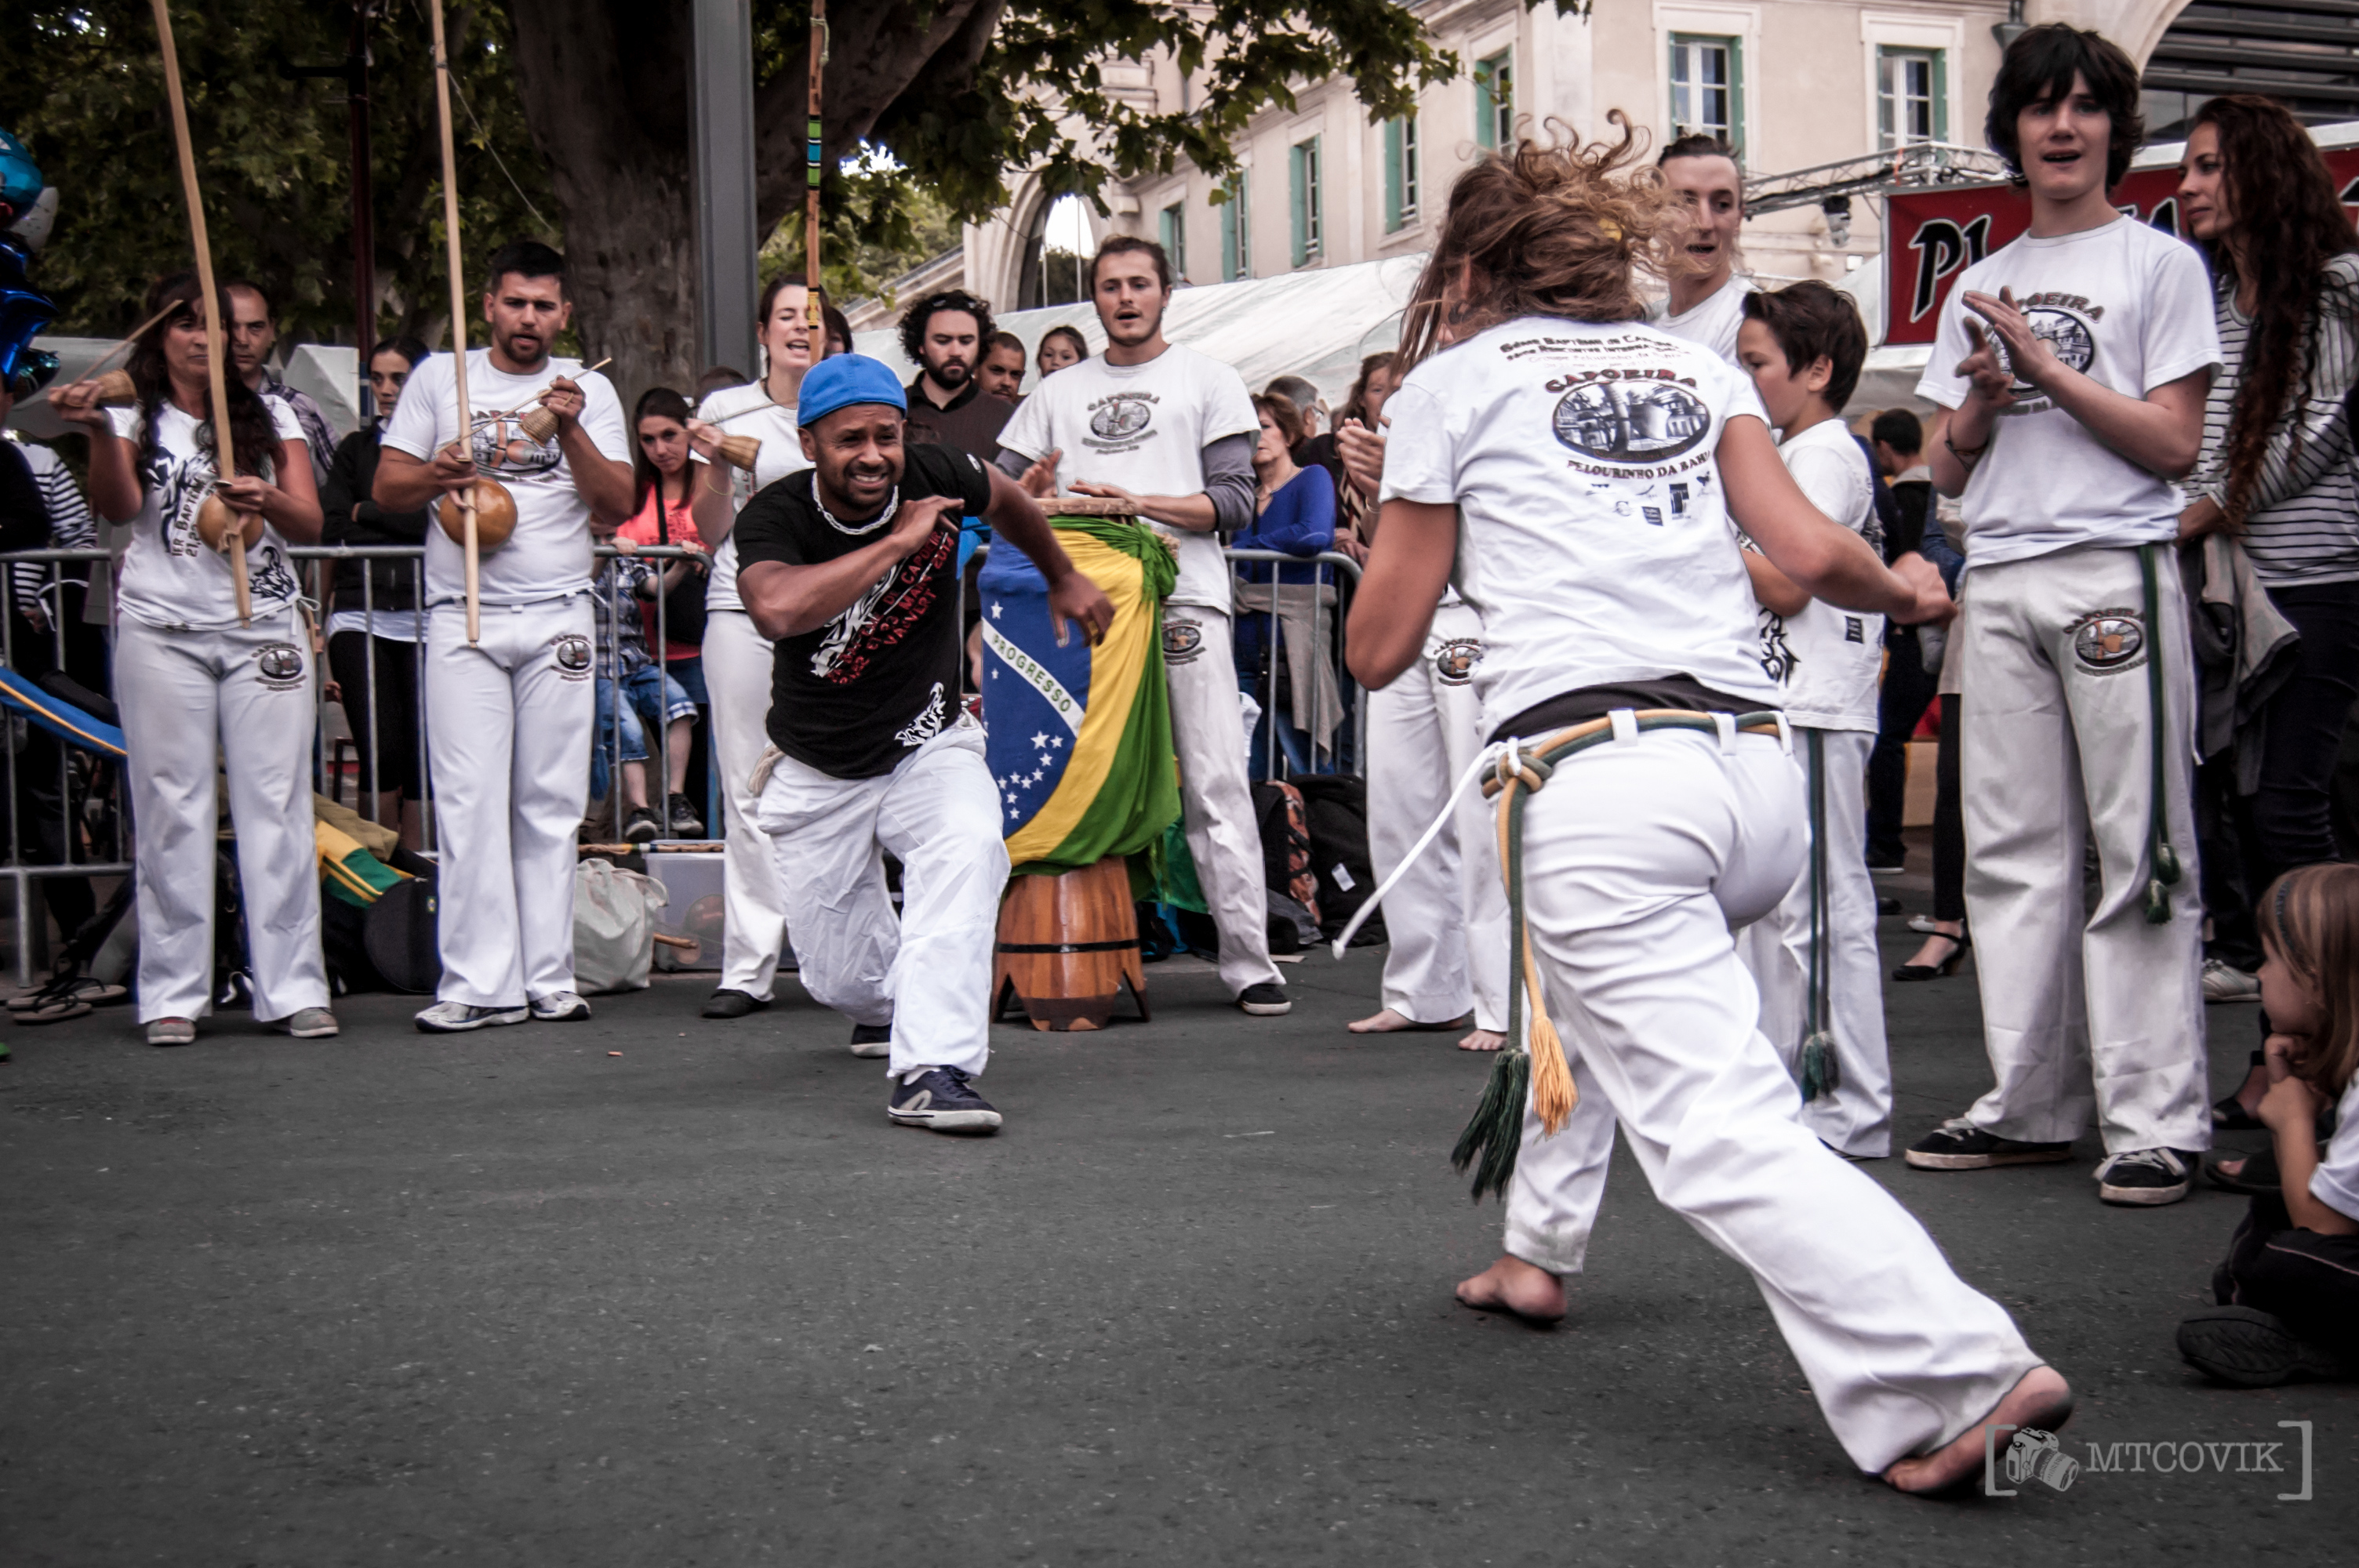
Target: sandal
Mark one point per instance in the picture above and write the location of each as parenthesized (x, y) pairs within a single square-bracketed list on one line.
[(2256, 1175), (53, 1013), (96, 992), (2229, 1115)]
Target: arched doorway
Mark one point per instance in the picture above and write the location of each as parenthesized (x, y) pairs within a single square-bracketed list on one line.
[(1056, 245), (2302, 52)]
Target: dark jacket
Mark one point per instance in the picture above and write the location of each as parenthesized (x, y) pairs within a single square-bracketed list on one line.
[(349, 516)]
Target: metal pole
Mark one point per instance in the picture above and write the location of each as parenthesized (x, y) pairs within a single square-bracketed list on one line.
[(364, 198), (721, 73)]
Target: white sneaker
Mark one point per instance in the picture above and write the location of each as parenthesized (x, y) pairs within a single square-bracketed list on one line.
[(457, 1017), (559, 1007), (307, 1024), (2226, 983)]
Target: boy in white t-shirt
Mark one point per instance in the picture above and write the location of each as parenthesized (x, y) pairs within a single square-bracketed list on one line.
[(2074, 408), (1814, 956), (508, 718), (1175, 431)]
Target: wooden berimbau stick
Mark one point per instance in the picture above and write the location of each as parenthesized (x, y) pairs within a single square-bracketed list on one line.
[(234, 539), (466, 498)]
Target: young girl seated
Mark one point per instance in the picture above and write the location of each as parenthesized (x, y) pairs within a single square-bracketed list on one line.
[(2289, 1292)]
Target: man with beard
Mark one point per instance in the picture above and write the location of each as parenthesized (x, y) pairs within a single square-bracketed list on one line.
[(852, 570), (1174, 431), (507, 719), (945, 333), (1707, 307)]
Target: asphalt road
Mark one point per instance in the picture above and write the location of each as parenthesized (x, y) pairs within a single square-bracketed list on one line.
[(515, 1299)]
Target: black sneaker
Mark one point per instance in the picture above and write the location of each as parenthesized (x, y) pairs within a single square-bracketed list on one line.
[(1267, 999), (641, 826), (685, 822), (1959, 1145), (1887, 862), (2247, 1349), (872, 1040), (2146, 1177), (941, 1099), (727, 1003)]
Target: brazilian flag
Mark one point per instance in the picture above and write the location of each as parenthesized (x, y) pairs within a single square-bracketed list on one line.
[(1079, 739), (347, 870)]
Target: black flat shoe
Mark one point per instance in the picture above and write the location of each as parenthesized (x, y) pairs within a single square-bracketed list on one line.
[(726, 1003), (2229, 1115), (1940, 971)]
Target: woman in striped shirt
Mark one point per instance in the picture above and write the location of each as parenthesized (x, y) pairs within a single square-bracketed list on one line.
[(2276, 470)]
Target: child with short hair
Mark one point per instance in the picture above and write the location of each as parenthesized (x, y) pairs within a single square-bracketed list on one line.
[(2289, 1291), (1814, 956)]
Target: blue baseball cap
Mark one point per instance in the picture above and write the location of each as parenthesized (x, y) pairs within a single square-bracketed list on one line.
[(842, 380)]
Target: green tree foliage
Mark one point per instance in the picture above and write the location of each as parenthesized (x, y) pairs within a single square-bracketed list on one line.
[(84, 89)]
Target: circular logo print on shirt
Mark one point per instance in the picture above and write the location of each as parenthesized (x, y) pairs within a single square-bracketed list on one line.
[(1631, 421), (1456, 660), (1182, 641), (2065, 334), (572, 652), (500, 445), (279, 665), (1120, 416), (2109, 639)]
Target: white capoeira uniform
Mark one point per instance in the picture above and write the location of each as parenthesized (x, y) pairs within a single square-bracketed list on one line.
[(1448, 930), (1144, 427), (1595, 544), (2099, 1014), (200, 693), (509, 722), (870, 755), (1828, 664), (737, 667)]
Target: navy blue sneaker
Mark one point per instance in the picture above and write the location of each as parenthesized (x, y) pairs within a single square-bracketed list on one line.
[(872, 1040), (944, 1099)]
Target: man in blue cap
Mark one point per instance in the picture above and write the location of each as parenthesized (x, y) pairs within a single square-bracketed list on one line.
[(852, 570)]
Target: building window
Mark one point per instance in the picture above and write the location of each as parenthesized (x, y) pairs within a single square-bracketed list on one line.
[(1236, 237), (1912, 97), (1172, 228), (1494, 99), (1707, 87), (1302, 194), (1401, 173)]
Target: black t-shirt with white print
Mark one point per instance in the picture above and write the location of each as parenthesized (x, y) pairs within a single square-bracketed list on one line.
[(862, 692)]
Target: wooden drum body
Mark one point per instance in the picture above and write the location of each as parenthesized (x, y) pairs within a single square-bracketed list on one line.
[(1067, 946)]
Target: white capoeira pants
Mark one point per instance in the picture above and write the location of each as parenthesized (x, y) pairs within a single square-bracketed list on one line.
[(2100, 1013), (192, 701), (737, 666), (928, 973), (1857, 1117), (1446, 920), (1639, 856), (1208, 732), (508, 728)]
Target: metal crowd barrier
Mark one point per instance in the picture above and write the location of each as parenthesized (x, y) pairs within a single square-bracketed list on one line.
[(1335, 575), (95, 832)]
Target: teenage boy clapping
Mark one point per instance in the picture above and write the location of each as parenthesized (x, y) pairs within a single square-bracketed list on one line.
[(2075, 361)]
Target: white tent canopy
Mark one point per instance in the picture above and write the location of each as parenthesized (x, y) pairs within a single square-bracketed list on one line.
[(1315, 324), (328, 372)]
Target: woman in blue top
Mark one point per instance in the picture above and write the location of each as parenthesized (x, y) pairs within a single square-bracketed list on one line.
[(1297, 516)]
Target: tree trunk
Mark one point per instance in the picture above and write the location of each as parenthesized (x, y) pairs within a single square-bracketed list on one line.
[(605, 88)]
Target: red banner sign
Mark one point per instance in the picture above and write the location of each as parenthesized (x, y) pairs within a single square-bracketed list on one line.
[(1930, 236)]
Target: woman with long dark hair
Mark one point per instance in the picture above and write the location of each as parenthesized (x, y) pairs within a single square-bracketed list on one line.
[(192, 682), (1577, 473), (668, 690), (2276, 475), (374, 632)]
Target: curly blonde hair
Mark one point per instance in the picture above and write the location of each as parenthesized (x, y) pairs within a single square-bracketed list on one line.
[(1560, 228)]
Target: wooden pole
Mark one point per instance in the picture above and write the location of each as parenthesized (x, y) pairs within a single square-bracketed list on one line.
[(216, 341), (817, 322), (457, 316)]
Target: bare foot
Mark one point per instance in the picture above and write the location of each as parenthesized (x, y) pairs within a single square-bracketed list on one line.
[(1482, 1040), (1393, 1022), (1512, 1285), (2041, 1399), (2232, 1169)]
